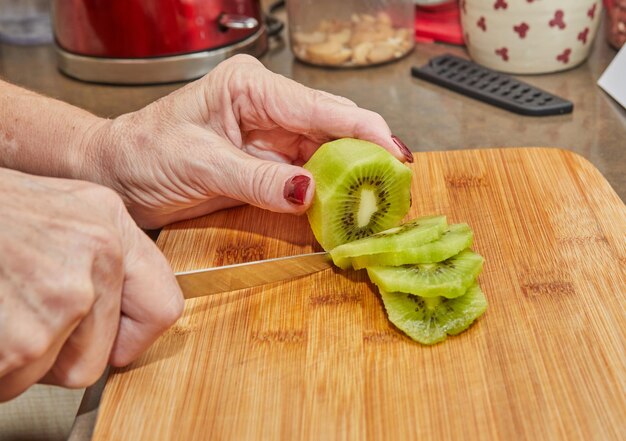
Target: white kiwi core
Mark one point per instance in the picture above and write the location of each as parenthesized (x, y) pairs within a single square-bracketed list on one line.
[(367, 207)]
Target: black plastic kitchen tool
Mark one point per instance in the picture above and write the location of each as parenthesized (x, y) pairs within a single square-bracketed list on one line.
[(498, 89)]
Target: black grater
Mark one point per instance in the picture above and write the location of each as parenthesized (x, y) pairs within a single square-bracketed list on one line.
[(500, 90)]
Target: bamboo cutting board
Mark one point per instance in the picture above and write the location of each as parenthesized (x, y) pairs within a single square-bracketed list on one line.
[(316, 359)]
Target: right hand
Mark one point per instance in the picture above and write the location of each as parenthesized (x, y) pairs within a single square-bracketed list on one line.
[(81, 285)]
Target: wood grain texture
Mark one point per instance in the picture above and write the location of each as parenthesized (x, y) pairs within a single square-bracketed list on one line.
[(316, 358)]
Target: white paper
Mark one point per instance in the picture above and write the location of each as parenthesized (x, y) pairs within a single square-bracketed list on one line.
[(613, 80)]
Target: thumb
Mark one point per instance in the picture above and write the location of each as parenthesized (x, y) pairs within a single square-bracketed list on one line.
[(274, 186), (151, 299)]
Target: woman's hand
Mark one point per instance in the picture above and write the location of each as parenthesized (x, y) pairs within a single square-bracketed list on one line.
[(80, 284), (237, 135)]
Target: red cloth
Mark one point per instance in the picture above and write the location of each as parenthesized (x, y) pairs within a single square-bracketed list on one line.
[(439, 23), (616, 26)]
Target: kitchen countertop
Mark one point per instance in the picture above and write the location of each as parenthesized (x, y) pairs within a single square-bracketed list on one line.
[(426, 117)]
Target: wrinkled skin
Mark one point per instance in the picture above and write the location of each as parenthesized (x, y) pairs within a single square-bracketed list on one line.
[(80, 284), (237, 135)]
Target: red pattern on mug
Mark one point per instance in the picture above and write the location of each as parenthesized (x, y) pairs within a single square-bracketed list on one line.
[(558, 19), (481, 23), (521, 29), (500, 4), (564, 57), (582, 35), (591, 13), (503, 52)]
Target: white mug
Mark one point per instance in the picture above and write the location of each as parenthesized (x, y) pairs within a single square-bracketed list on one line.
[(530, 36)]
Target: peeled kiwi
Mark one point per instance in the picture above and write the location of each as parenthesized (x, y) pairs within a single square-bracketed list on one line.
[(449, 278), (361, 189), (424, 268), (454, 240), (416, 232), (430, 320)]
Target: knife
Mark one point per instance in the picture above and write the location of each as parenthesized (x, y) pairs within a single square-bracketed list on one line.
[(207, 281)]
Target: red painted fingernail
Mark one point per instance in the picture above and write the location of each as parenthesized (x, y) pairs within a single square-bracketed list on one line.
[(403, 148), (295, 189)]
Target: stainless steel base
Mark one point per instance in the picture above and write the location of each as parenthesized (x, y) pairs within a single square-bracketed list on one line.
[(155, 70)]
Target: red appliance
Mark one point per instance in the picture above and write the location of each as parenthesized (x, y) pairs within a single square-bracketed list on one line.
[(153, 41)]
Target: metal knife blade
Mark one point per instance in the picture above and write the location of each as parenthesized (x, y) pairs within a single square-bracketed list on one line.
[(203, 282)]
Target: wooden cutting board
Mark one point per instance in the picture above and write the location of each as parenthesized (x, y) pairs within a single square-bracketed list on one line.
[(316, 358)]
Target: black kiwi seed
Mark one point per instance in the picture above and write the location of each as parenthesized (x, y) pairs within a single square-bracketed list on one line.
[(415, 299)]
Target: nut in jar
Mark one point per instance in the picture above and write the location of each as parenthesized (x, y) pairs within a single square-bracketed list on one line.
[(362, 40)]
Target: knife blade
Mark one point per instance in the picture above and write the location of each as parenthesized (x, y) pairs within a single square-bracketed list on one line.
[(207, 281)]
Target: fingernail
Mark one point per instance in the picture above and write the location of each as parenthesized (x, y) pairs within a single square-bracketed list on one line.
[(295, 189), (403, 148)]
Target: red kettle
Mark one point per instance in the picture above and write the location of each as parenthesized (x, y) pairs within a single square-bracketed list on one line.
[(153, 41)]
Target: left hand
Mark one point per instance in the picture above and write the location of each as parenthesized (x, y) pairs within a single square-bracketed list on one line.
[(238, 135)]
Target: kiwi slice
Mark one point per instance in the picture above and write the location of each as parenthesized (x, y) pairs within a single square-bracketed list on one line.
[(416, 232), (361, 189), (454, 240), (449, 278), (430, 320)]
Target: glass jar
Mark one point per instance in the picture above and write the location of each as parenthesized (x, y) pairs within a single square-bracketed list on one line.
[(351, 33)]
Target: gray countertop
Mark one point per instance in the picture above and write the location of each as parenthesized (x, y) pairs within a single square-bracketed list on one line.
[(424, 116)]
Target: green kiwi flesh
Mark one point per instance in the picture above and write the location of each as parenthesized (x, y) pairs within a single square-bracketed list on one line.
[(430, 320), (454, 240), (361, 189), (414, 233), (449, 278)]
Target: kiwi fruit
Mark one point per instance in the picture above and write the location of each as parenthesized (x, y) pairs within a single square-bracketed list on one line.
[(416, 232), (454, 240), (424, 268), (361, 189), (430, 320), (449, 278)]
